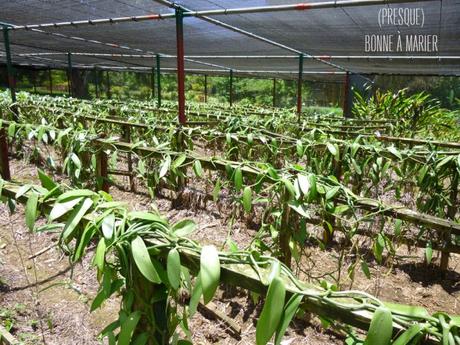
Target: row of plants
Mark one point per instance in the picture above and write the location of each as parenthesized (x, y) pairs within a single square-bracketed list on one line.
[(151, 264), (428, 175), (289, 200)]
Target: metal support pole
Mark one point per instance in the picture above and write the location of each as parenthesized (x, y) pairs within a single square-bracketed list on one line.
[(205, 88), (96, 82), (274, 92), (180, 65), (109, 94), (152, 82), (346, 96), (299, 87), (50, 77), (158, 70), (9, 69), (69, 74), (231, 88)]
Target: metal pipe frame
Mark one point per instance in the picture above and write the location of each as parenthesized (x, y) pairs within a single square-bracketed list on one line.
[(216, 12), (69, 74), (230, 98), (257, 57), (299, 87), (152, 82), (205, 88), (158, 70)]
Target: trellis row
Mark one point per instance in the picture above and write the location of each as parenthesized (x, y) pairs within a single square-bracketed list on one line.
[(443, 226), (246, 276)]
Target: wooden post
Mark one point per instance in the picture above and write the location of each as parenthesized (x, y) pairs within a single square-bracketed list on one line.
[(102, 177), (4, 161), (346, 97), (451, 212), (285, 233), (127, 138)]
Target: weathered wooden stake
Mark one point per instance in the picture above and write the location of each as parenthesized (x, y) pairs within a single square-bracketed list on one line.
[(451, 212), (127, 138), (4, 161), (102, 176)]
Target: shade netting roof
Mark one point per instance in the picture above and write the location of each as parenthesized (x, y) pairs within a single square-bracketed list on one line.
[(260, 43)]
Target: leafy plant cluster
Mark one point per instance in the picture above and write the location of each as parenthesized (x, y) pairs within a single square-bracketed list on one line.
[(150, 263)]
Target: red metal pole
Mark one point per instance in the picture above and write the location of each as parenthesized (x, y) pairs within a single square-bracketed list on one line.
[(180, 65)]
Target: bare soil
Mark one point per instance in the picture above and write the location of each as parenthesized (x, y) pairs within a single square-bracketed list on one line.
[(48, 301)]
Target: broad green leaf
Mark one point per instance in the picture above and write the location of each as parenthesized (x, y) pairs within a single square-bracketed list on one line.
[(141, 339), (61, 208), (179, 160), (407, 310), (312, 193), (365, 269), (183, 227), (209, 272), (395, 152), (272, 312), (143, 262), (289, 311), (173, 268), (333, 149), (332, 192), (408, 335), (196, 294), (238, 179), (108, 226), (99, 256), (398, 223), (72, 194), (247, 199), (75, 217), (46, 181), (149, 216), (429, 252), (381, 328), (31, 210), (197, 168), (165, 167), (289, 188), (128, 327), (304, 183), (22, 190)]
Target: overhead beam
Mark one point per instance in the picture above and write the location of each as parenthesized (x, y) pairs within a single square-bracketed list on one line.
[(215, 12)]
